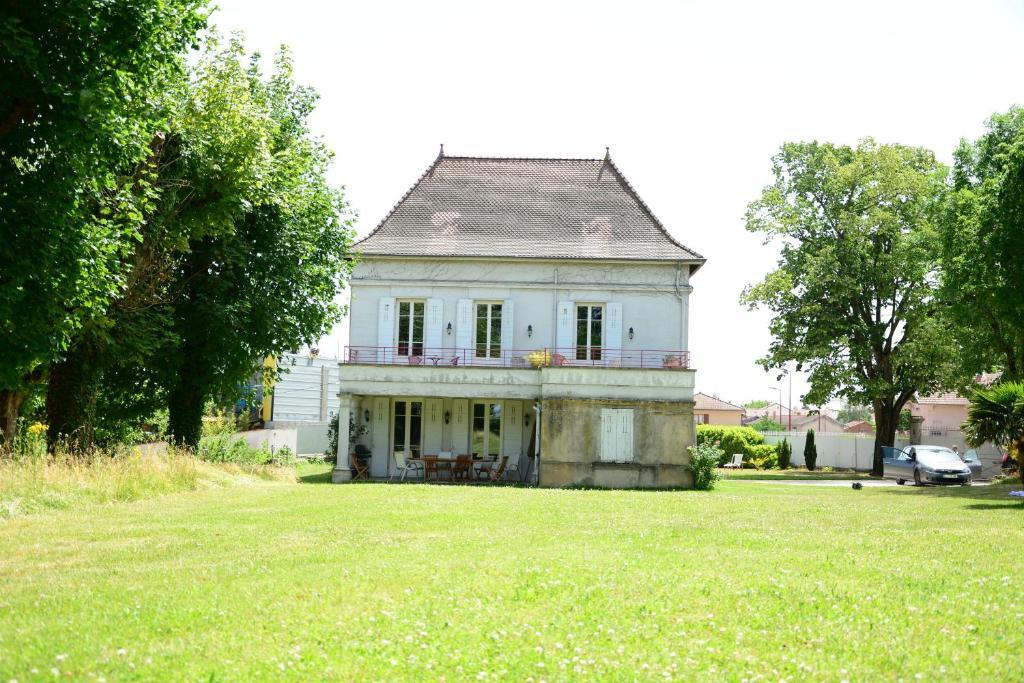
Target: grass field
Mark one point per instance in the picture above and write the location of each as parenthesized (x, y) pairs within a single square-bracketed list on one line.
[(776, 475), (373, 581)]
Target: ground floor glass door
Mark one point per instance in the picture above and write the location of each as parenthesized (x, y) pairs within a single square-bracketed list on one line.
[(407, 428), (486, 429)]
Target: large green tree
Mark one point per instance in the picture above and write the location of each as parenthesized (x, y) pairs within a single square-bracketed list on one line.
[(983, 246), (854, 291), (79, 109), (242, 256)]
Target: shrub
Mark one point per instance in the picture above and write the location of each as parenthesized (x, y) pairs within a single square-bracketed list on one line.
[(764, 456), (767, 424), (785, 454), (229, 448), (810, 451), (731, 439), (704, 458), (355, 431)]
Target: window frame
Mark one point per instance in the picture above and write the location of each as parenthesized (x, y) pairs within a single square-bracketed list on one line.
[(490, 342), (411, 343), (589, 351), (487, 403)]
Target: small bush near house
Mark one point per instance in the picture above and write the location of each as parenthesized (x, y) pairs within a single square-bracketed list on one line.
[(785, 454), (704, 458), (354, 432), (810, 451), (763, 456), (766, 424), (730, 439)]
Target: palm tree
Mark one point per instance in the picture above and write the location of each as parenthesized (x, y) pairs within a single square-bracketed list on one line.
[(996, 414)]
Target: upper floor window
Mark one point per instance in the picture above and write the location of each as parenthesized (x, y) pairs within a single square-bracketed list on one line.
[(488, 330), (410, 328), (589, 331)]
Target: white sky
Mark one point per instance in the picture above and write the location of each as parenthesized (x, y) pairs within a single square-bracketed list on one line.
[(692, 97)]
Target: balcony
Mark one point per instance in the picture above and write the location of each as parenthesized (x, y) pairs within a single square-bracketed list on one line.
[(521, 359)]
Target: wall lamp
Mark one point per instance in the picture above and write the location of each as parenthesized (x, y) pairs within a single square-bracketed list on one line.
[(449, 329), (631, 333), (447, 416), (366, 414), (529, 330)]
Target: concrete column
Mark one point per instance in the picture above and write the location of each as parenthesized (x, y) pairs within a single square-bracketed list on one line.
[(342, 472)]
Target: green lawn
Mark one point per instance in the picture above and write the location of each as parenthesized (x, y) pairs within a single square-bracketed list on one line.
[(776, 475), (311, 581)]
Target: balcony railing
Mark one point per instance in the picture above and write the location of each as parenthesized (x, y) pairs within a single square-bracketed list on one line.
[(577, 356)]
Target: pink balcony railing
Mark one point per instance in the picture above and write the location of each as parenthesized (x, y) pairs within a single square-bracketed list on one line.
[(417, 354)]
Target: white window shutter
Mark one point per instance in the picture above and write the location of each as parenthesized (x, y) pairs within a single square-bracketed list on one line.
[(613, 334), (432, 327), (565, 328), (386, 329), (626, 435), (464, 325), (507, 329)]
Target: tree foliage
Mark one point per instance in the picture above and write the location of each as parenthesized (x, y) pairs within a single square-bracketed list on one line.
[(810, 451), (766, 424), (80, 85), (241, 257), (996, 414), (982, 243), (854, 293), (852, 413)]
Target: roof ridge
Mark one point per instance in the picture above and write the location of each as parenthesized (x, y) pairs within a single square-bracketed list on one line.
[(643, 205), (721, 400), (474, 158)]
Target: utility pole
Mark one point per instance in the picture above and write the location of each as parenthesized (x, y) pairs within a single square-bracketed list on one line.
[(789, 408)]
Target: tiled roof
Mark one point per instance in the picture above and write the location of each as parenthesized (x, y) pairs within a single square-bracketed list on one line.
[(526, 208), (950, 398), (705, 402)]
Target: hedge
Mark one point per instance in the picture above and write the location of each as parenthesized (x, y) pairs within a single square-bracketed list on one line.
[(732, 440), (765, 456)]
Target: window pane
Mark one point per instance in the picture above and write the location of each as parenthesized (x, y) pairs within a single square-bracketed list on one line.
[(399, 426), (403, 328), (595, 334), (494, 429), (495, 345), (481, 330), (417, 328), (415, 427), (477, 444)]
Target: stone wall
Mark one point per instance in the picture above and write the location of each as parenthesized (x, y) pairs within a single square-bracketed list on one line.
[(571, 444)]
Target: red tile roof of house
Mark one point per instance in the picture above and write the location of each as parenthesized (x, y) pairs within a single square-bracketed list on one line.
[(705, 402)]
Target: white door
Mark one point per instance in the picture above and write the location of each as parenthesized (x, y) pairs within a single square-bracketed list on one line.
[(485, 429), (407, 427)]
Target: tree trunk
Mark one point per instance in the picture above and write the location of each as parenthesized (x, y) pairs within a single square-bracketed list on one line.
[(185, 407), (10, 410), (1020, 456), (71, 399), (886, 418)]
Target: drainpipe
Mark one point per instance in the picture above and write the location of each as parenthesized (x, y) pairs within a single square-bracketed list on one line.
[(536, 441)]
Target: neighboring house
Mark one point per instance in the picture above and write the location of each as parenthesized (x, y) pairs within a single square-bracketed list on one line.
[(821, 422), (304, 399), (516, 307), (859, 427), (940, 411), (781, 414), (710, 410)]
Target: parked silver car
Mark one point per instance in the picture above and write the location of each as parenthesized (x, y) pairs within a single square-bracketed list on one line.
[(927, 465), (974, 462)]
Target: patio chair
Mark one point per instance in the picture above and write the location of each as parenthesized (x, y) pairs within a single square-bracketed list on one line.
[(360, 468), (432, 466), (513, 466), (415, 360), (405, 466), (558, 360), (736, 462), (495, 473), (462, 468)]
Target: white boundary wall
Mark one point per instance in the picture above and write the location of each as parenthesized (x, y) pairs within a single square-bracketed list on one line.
[(841, 450), (855, 451)]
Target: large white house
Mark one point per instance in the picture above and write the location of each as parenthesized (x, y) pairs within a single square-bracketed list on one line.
[(523, 308)]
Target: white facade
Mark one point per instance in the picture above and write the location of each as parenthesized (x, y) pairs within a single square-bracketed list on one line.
[(654, 299)]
